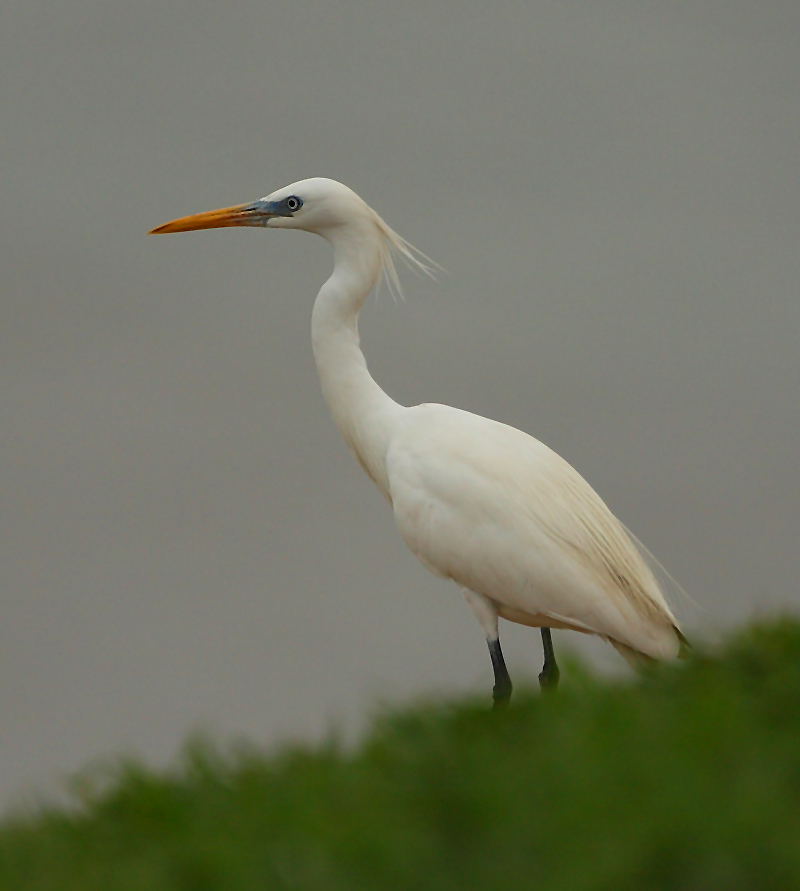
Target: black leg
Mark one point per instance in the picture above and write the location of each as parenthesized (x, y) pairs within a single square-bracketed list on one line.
[(501, 692), (548, 679)]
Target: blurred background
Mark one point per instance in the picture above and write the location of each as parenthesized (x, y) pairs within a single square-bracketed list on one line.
[(186, 542)]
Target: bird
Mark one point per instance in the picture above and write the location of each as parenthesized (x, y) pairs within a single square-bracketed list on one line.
[(478, 502)]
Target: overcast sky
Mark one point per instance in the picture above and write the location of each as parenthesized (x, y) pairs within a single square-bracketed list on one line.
[(612, 187)]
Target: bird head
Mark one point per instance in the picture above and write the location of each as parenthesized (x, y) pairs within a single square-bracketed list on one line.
[(318, 205), (314, 205)]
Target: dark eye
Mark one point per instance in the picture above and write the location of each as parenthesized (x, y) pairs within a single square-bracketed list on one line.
[(293, 203)]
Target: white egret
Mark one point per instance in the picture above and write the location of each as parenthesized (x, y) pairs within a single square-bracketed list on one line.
[(488, 506)]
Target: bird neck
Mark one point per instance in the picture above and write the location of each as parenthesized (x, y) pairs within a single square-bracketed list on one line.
[(363, 413)]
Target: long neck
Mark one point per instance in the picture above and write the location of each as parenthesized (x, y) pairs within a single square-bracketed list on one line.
[(364, 414)]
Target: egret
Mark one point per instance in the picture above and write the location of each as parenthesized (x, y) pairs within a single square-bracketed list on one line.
[(491, 508)]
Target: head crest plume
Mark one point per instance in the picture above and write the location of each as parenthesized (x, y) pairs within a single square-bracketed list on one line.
[(394, 246)]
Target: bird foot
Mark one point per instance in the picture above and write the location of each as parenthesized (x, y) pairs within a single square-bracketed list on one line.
[(501, 696), (549, 676)]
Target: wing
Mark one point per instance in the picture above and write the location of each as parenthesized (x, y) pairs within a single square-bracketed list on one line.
[(502, 514)]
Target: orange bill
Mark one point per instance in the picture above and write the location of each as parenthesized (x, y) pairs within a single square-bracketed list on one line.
[(255, 214)]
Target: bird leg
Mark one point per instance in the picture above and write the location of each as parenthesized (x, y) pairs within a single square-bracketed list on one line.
[(485, 611), (548, 678), (501, 692)]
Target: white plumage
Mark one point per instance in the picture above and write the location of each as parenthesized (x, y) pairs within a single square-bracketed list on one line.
[(478, 502), (504, 516)]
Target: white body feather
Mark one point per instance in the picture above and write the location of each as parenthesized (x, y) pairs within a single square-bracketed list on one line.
[(505, 517)]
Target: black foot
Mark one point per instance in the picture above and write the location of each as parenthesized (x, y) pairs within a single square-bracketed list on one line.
[(501, 695), (501, 692), (548, 678)]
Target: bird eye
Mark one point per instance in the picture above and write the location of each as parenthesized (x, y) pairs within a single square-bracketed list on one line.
[(293, 203)]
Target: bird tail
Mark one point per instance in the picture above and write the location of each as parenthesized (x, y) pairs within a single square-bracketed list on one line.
[(638, 660), (685, 651)]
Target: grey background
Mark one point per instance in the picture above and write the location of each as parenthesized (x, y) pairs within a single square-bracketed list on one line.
[(612, 187)]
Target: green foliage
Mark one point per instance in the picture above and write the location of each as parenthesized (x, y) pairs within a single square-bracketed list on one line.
[(687, 779)]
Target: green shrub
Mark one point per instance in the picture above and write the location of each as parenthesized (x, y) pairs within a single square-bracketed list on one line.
[(686, 779)]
